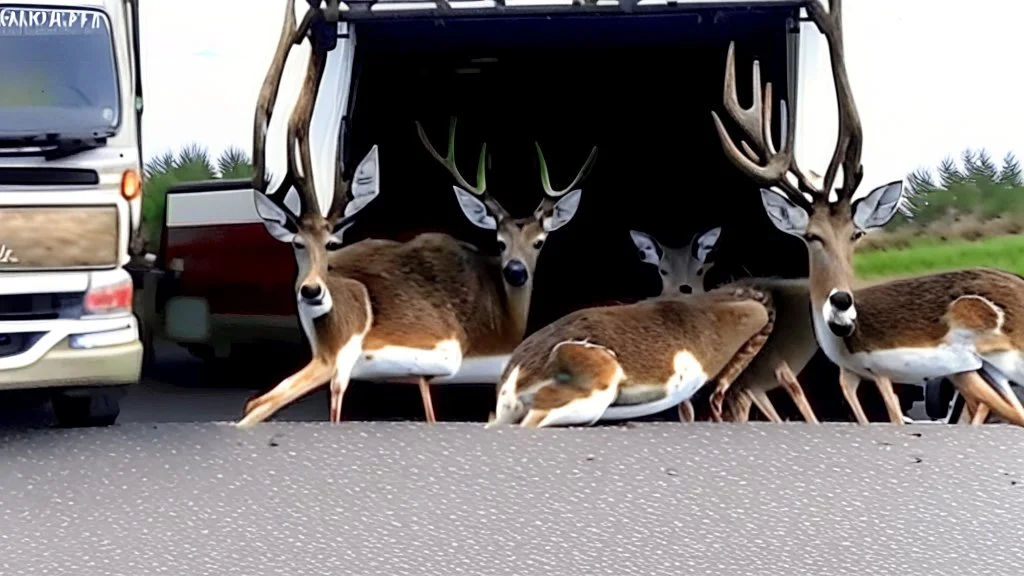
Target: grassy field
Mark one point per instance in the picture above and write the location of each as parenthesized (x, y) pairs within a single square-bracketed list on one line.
[(928, 255)]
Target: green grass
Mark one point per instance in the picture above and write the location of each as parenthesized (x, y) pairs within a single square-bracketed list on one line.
[(1004, 252)]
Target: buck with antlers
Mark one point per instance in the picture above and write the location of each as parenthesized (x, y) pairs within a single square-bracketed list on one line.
[(788, 349), (380, 309), (962, 324)]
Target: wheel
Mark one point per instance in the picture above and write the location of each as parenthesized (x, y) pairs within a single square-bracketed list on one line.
[(79, 408)]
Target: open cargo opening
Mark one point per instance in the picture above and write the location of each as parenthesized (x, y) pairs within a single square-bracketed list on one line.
[(640, 87)]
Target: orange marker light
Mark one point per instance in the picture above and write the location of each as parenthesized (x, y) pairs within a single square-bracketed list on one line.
[(131, 185)]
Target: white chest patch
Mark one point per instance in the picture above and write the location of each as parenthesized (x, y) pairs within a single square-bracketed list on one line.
[(400, 362), (687, 377)]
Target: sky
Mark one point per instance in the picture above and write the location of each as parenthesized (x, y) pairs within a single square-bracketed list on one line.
[(930, 79)]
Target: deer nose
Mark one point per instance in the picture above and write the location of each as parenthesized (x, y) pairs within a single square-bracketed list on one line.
[(515, 273), (686, 289), (841, 301), (310, 291)]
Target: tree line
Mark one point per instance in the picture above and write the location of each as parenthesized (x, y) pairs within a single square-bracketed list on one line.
[(976, 187)]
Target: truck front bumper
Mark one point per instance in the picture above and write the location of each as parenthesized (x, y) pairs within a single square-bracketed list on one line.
[(87, 352)]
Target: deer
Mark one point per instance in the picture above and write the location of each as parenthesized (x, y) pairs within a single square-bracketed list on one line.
[(965, 324), (381, 309), (788, 349), (627, 361)]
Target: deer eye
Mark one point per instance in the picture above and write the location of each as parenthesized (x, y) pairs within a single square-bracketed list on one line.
[(298, 244), (857, 235), (813, 238), (502, 246), (333, 245), (663, 272), (538, 243)]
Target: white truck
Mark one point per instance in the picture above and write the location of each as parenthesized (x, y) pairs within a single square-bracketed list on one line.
[(70, 202)]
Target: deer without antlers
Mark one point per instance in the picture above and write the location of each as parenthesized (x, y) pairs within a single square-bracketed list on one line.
[(788, 349), (965, 324), (629, 361)]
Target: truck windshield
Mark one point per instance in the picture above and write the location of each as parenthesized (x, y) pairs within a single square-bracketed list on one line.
[(57, 73)]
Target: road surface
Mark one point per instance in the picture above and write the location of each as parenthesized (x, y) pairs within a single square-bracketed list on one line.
[(410, 498), (164, 492)]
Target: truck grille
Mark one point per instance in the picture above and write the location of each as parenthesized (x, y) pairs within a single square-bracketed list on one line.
[(41, 306), (58, 237)]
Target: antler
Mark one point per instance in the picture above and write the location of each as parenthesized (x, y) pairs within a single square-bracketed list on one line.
[(448, 162), (290, 36), (779, 165), (851, 134), (545, 178), (299, 171)]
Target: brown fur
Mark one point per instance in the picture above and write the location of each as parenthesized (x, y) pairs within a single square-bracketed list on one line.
[(431, 288), (918, 311), (646, 336), (792, 341), (585, 369)]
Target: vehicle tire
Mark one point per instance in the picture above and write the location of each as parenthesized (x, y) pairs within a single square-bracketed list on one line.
[(201, 352), (80, 409)]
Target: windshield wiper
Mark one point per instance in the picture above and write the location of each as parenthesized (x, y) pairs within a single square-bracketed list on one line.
[(54, 145)]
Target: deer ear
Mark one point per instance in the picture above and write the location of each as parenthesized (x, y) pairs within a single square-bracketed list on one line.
[(281, 225), (786, 215), (563, 211), (706, 242), (878, 207), (365, 182), (647, 247), (475, 210)]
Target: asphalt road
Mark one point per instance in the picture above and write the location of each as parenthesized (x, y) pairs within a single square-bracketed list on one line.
[(173, 489), (410, 498)]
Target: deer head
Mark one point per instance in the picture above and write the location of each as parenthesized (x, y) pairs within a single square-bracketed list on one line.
[(682, 269), (519, 239), (311, 233), (799, 204)]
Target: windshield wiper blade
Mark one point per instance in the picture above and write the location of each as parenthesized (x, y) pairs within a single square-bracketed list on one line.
[(54, 145)]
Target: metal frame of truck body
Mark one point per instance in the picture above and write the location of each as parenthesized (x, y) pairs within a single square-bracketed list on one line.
[(72, 347), (209, 307)]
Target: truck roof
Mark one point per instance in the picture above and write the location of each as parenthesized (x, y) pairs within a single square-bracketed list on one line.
[(383, 9)]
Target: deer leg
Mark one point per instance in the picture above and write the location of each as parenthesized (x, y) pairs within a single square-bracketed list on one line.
[(290, 389), (784, 374), (428, 403), (892, 402), (974, 387), (686, 412), (739, 404), (346, 361), (980, 415), (764, 404), (849, 383)]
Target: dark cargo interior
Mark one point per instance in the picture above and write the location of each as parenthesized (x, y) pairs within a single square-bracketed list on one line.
[(641, 88)]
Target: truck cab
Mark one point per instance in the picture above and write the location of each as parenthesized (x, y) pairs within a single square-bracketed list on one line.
[(70, 202)]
